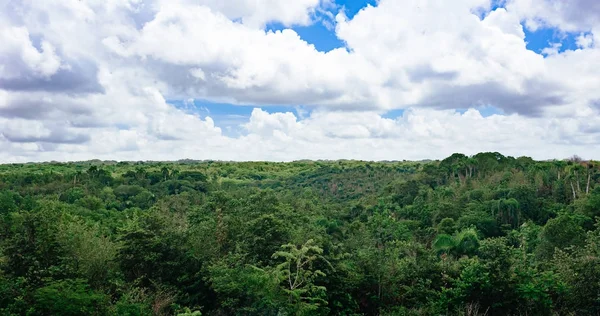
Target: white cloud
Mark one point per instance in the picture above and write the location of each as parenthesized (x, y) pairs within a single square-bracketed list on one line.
[(585, 41), (569, 16), (418, 134), (429, 47), (256, 13), (262, 123), (19, 58), (240, 64), (90, 78)]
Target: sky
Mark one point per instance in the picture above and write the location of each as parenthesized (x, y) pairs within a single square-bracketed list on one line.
[(283, 80)]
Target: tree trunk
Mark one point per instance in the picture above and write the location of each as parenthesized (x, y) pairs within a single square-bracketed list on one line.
[(573, 189), (221, 235), (587, 187)]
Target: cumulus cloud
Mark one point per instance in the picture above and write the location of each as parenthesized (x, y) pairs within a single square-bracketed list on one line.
[(20, 58), (570, 16), (252, 66), (257, 13), (251, 13), (90, 78), (417, 134), (440, 54)]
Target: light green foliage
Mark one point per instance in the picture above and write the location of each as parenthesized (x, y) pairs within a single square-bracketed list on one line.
[(297, 276), (189, 312), (90, 252), (444, 243), (465, 242)]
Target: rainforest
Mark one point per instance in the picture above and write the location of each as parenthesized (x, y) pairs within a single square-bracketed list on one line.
[(486, 234)]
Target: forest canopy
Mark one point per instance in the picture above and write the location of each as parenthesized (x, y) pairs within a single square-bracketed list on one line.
[(467, 235)]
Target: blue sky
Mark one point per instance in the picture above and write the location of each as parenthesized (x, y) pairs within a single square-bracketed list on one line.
[(228, 116), (324, 39), (545, 37)]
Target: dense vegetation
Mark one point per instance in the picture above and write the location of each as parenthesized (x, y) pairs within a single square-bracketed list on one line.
[(486, 234)]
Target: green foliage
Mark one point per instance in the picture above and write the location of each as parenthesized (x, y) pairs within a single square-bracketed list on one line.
[(188, 312), (68, 297), (296, 278), (446, 226), (579, 271), (89, 252), (8, 202), (72, 195), (444, 243), (560, 233), (486, 234), (467, 242), (266, 234), (31, 247), (133, 302)]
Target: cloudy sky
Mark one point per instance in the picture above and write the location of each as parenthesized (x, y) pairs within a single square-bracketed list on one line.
[(304, 79)]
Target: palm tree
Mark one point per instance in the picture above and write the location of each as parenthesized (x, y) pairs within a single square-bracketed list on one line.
[(592, 166), (573, 171), (165, 172), (507, 211), (559, 165)]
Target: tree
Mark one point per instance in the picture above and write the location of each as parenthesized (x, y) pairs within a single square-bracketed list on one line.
[(8, 202), (560, 233), (298, 277), (68, 297), (266, 234), (444, 243), (467, 242), (464, 242), (165, 173), (507, 212), (89, 251), (579, 271), (31, 248), (483, 235)]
